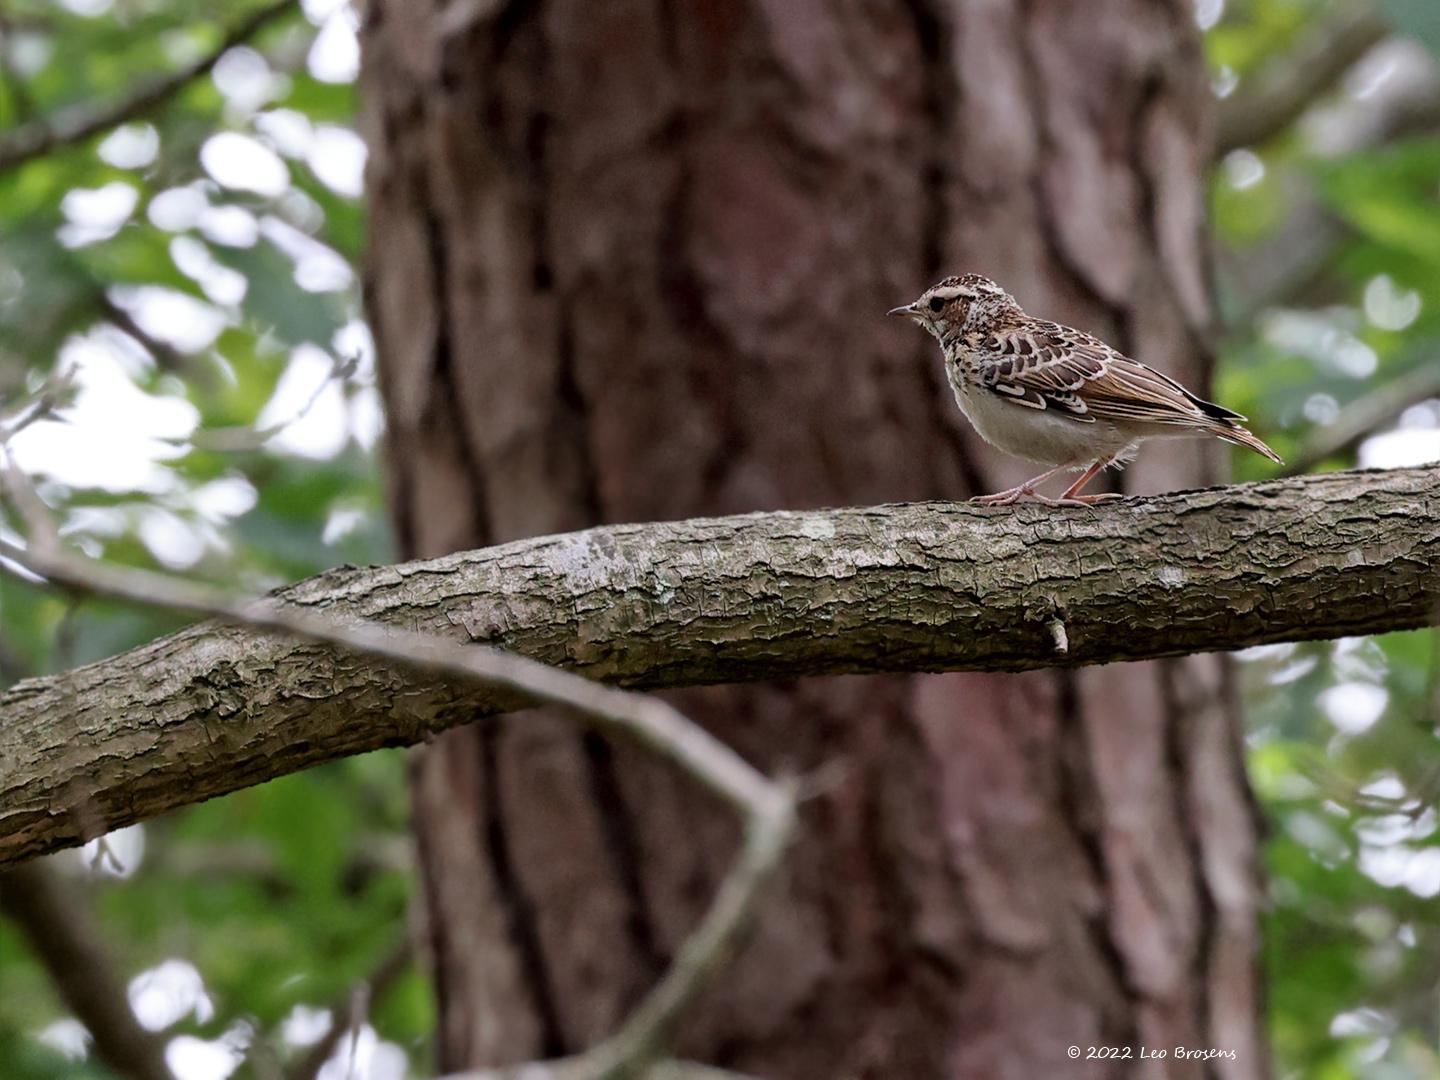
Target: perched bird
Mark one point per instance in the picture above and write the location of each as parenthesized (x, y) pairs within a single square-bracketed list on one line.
[(1055, 395)]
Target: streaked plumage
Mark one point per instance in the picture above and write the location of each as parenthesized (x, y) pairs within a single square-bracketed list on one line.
[(1057, 395)]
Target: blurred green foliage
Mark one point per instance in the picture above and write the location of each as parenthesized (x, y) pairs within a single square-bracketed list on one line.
[(287, 895), (1341, 735), (292, 893)]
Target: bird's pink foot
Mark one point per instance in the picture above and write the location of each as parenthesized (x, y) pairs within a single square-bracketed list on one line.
[(1013, 495), (1006, 497)]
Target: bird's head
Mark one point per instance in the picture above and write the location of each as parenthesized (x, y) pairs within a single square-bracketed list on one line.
[(948, 306)]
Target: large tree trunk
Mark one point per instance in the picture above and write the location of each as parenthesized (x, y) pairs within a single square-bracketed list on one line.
[(629, 260)]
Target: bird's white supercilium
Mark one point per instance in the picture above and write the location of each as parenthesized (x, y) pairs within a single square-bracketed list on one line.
[(1056, 395)]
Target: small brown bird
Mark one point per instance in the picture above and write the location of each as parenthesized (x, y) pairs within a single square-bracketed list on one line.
[(1056, 395)]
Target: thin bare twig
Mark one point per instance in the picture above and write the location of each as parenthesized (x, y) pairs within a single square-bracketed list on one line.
[(240, 438), (80, 122), (348, 1015), (27, 503), (1365, 415), (768, 808), (53, 395), (166, 355)]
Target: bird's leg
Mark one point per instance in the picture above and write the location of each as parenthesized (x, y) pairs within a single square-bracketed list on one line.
[(1019, 491), (1072, 497)]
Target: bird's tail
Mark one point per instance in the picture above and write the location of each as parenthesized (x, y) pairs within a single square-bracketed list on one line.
[(1225, 423), (1232, 432)]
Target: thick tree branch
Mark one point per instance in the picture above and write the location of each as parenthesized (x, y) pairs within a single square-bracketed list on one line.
[(1292, 83), (766, 808), (81, 122), (900, 588)]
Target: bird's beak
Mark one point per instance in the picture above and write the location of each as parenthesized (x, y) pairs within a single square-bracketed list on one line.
[(908, 309)]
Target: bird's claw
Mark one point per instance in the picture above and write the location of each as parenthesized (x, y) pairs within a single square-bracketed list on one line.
[(1006, 497), (1090, 500), (1013, 495)]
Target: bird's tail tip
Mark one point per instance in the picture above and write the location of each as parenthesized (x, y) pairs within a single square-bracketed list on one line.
[(1234, 433)]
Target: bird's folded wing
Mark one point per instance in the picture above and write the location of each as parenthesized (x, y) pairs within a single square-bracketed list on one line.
[(1056, 368)]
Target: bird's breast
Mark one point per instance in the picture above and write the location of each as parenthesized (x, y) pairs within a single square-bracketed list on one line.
[(1041, 435)]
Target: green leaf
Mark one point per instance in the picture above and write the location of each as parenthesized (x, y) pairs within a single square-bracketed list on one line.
[(274, 300)]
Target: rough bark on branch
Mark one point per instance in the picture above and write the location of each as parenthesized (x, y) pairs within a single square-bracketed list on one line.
[(921, 587)]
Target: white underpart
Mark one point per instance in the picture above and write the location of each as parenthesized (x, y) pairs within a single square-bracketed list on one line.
[(1050, 438)]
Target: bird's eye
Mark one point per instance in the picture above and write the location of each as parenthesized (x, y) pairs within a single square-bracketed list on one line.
[(936, 304)]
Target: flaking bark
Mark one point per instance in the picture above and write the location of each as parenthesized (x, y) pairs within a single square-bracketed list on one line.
[(920, 587)]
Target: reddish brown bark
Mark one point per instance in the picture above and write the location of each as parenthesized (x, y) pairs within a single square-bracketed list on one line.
[(630, 261)]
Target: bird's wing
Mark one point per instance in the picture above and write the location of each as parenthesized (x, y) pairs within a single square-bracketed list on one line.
[(1048, 366)]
